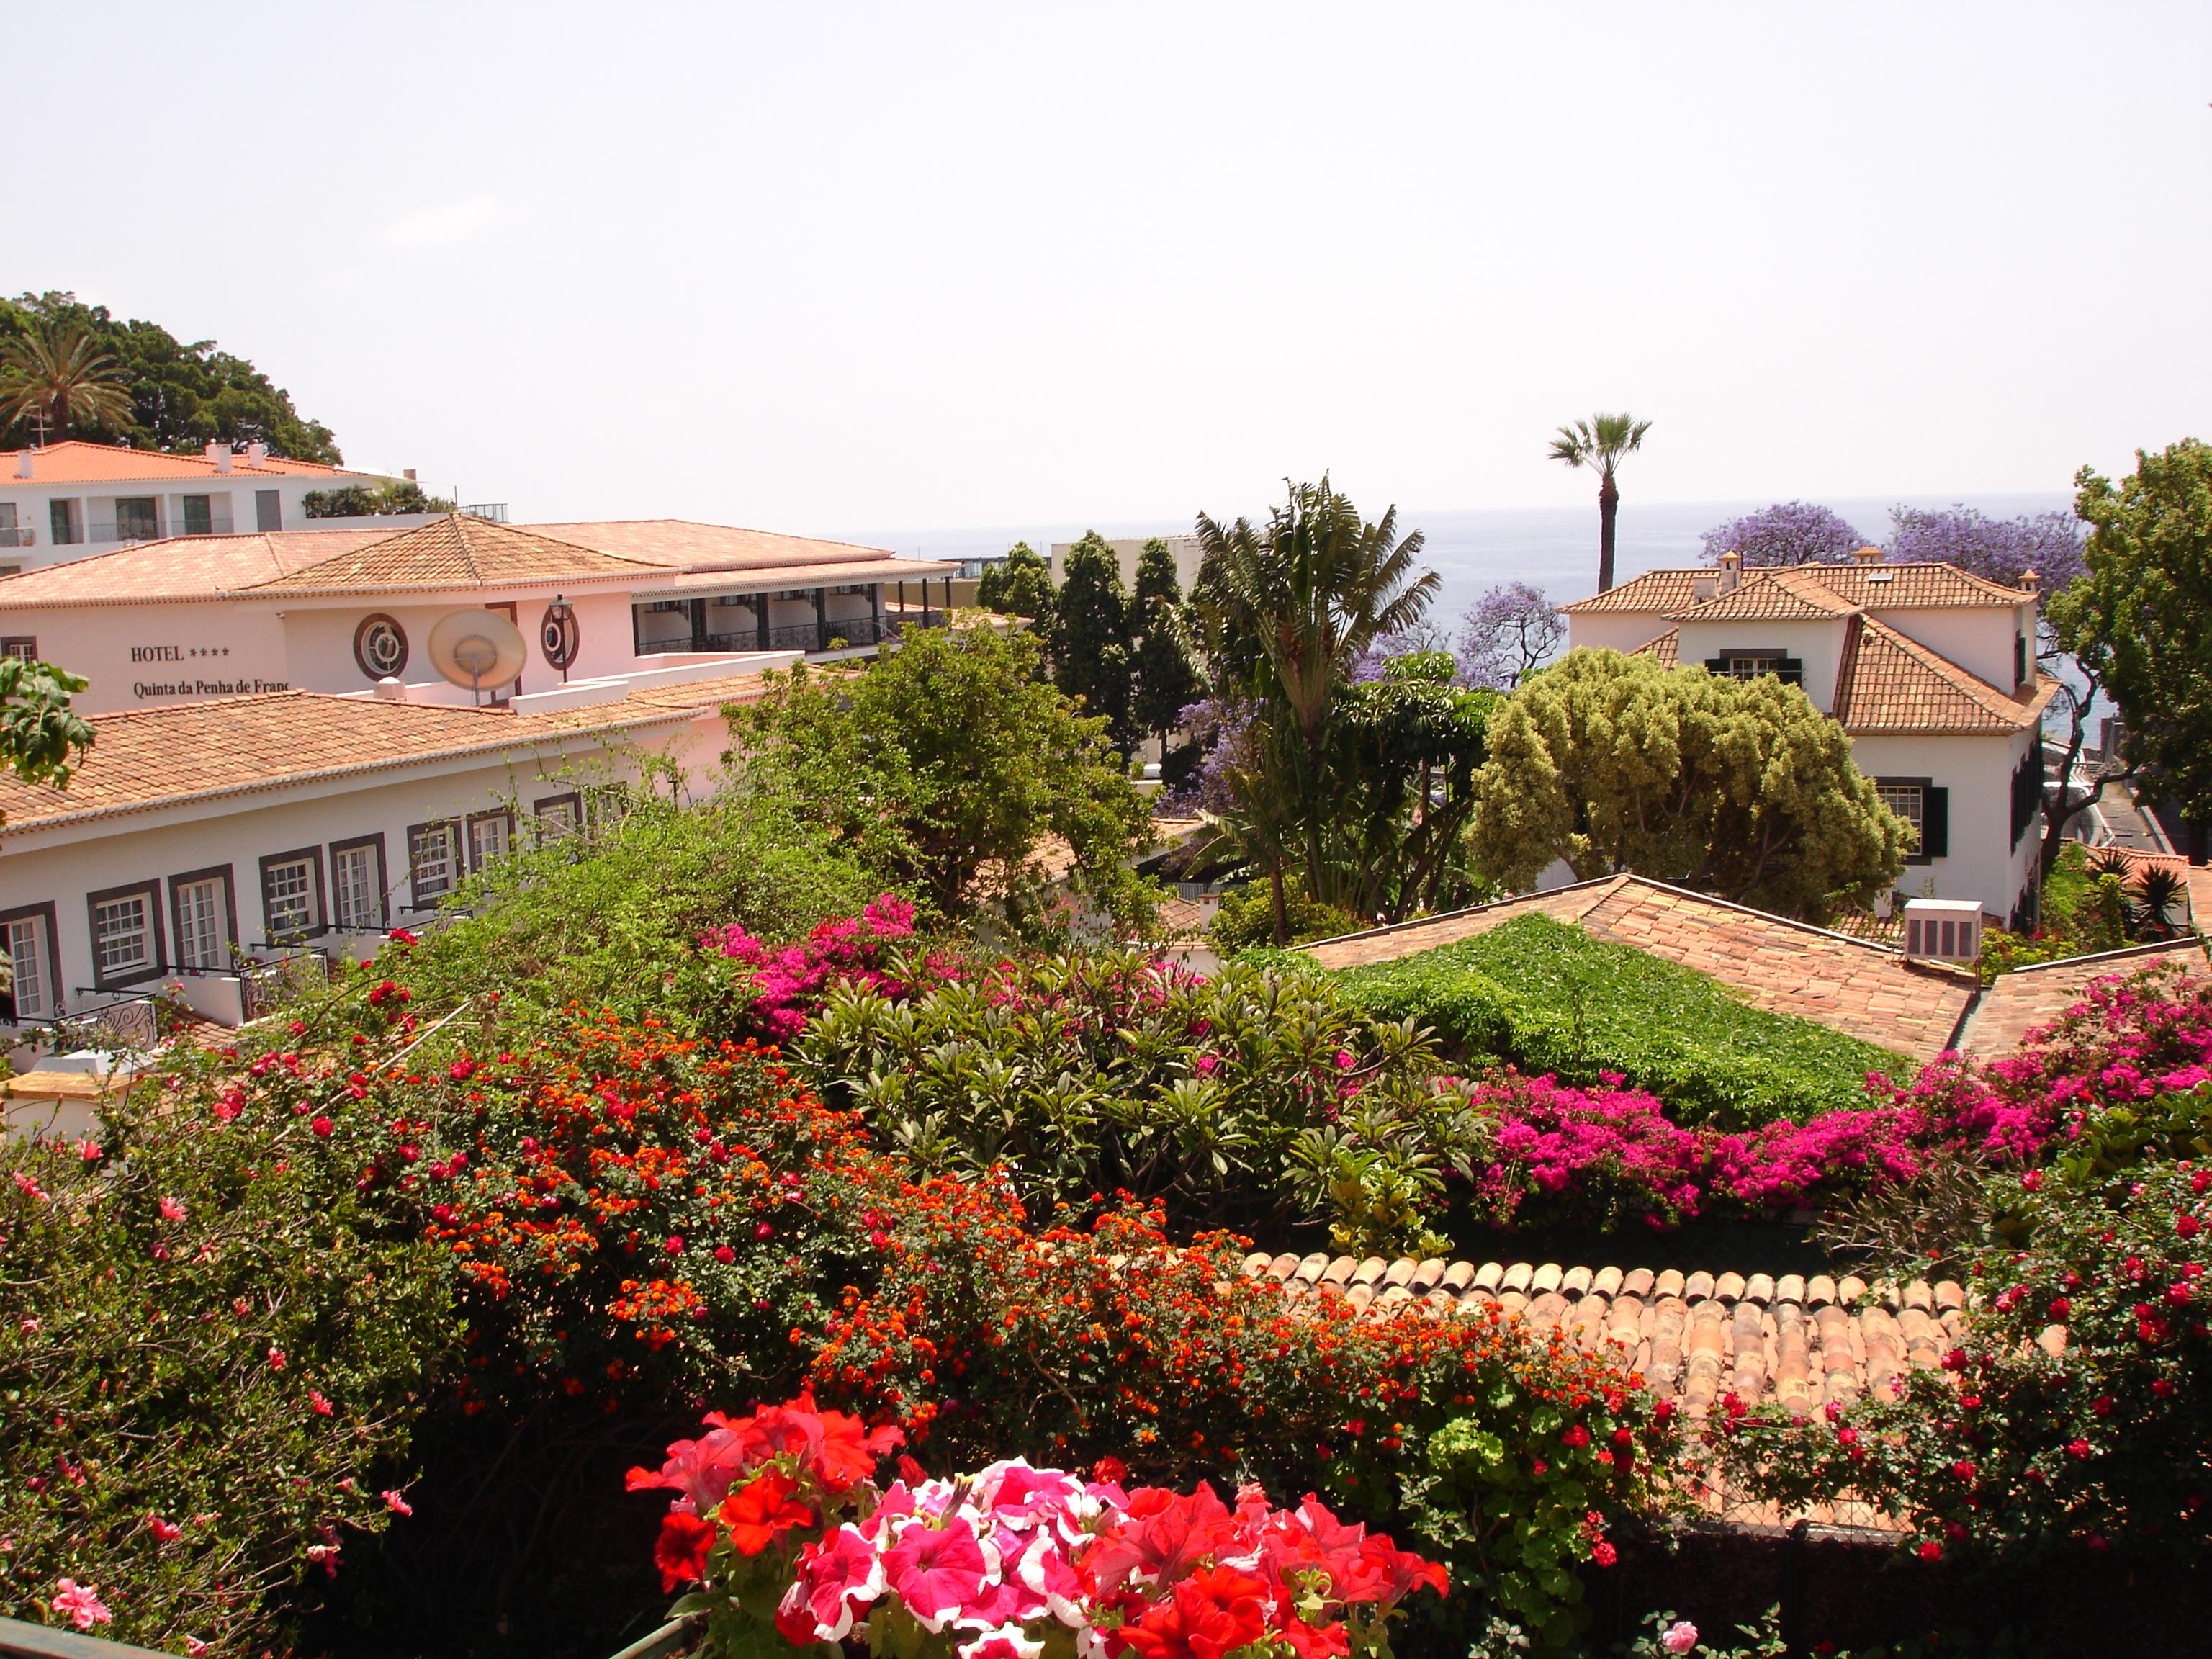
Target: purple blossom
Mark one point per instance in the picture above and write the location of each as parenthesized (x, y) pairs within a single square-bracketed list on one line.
[(1788, 532), (2001, 550), (1511, 630)]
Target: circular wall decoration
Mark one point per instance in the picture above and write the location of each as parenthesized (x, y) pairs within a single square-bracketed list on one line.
[(557, 635), (380, 646)]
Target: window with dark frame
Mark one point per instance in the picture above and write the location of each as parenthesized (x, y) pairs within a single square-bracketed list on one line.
[(490, 835), (358, 883), (558, 817), (126, 934), (34, 989), (433, 862), (292, 895), (1750, 663), (203, 918), (1926, 810), (25, 646)]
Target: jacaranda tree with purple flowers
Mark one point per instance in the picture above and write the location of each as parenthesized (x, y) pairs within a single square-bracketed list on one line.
[(1509, 633), (2001, 550), (1788, 532)]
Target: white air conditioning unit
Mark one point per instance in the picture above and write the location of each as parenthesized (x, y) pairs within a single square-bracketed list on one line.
[(1943, 930)]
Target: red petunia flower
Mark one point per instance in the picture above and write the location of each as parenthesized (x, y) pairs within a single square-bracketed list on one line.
[(680, 1551), (759, 1514)]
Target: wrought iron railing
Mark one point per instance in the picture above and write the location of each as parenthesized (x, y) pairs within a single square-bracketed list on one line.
[(132, 1023), (854, 631)]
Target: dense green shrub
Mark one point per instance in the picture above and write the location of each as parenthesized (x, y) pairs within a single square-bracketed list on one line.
[(1546, 997), (1246, 917), (1254, 1098), (212, 1348), (613, 920)]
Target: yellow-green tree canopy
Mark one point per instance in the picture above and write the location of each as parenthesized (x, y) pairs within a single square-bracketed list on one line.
[(1737, 787)]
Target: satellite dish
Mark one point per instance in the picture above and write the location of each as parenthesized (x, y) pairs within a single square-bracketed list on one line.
[(479, 649)]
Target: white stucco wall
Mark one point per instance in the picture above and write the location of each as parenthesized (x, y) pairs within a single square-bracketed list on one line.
[(1615, 630), (148, 656), (1979, 640), (1982, 864), (231, 503), (319, 639), (1818, 645)]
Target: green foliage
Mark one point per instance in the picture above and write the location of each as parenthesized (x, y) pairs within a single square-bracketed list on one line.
[(943, 769), (1020, 585), (1546, 997), (55, 379), (1168, 680), (1094, 654), (1738, 787), (180, 396), (242, 1365), (38, 731), (613, 920), (366, 500), (1109, 1072), (2141, 619), (1246, 918)]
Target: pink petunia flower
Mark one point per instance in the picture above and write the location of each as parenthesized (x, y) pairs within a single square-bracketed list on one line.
[(936, 1569), (82, 1603)]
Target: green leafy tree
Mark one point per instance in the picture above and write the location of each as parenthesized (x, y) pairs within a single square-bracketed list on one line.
[(950, 769), (1167, 680), (1094, 657), (364, 501), (179, 395), (1738, 787), (1019, 585), (1290, 606), (56, 379), (2140, 618), (38, 731), (1601, 443)]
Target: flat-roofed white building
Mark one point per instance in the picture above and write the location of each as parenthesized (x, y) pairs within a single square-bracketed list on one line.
[(70, 499), (1930, 669)]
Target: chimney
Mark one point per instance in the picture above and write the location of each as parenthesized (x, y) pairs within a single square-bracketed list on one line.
[(409, 474), (1731, 571), (256, 453), (1868, 556), (2030, 579), (23, 462), (218, 452)]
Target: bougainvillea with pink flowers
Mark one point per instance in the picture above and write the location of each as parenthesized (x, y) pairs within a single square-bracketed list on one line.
[(790, 981), (778, 1520)]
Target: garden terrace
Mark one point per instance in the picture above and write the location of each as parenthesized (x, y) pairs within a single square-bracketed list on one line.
[(1864, 990), (1805, 1342), (2028, 997)]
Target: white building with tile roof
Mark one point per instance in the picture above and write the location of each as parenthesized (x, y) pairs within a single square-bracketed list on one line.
[(338, 611), (69, 501), (1930, 669)]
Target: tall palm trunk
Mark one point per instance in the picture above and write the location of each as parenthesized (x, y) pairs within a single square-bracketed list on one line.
[(1608, 509)]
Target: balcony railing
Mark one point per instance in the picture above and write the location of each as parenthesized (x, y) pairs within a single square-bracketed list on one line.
[(854, 631), (18, 536)]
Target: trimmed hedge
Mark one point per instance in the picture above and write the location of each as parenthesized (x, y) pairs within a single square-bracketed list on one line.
[(1546, 997)]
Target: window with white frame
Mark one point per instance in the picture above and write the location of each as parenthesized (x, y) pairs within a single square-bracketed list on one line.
[(433, 862), (490, 834), (556, 817), (288, 899), (1909, 801), (30, 955), (203, 919), (357, 885), (123, 942)]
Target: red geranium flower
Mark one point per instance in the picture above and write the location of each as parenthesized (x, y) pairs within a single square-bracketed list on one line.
[(681, 1551), (763, 1512)]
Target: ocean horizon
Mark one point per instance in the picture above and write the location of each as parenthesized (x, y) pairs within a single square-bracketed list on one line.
[(1551, 548)]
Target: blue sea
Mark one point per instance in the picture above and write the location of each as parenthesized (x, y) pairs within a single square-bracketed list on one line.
[(1552, 548)]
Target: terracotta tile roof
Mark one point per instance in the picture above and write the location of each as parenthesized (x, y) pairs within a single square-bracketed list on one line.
[(1875, 587), (180, 568), (1805, 1342), (2028, 997), (146, 758), (683, 545), (1865, 990), (2141, 860), (1770, 596), (75, 461), (455, 551), (1888, 683), (1659, 590), (1667, 648)]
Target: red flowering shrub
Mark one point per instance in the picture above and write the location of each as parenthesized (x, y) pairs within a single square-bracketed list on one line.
[(2011, 1446)]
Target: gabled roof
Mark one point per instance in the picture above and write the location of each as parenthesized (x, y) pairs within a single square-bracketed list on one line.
[(75, 461), (180, 568), (1872, 586), (148, 759), (1865, 990), (1770, 596), (1658, 591), (1913, 586), (1888, 683), (1667, 648), (456, 551)]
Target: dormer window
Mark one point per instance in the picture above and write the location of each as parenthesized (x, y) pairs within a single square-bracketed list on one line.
[(1751, 663)]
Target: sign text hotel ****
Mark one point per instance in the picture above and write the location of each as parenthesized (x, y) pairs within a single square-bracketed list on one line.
[(144, 689)]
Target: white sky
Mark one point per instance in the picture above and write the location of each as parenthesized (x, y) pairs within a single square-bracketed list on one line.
[(810, 267)]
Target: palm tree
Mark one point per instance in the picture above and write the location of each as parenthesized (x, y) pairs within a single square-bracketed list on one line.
[(58, 377), (1599, 442)]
